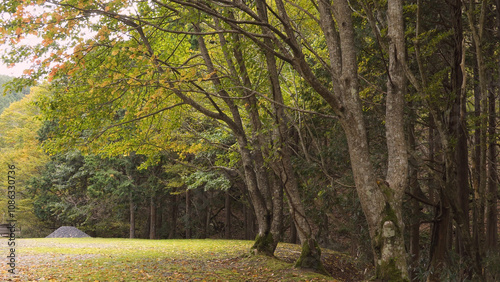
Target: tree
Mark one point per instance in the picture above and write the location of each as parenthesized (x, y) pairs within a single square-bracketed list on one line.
[(18, 147), (108, 116), (256, 91), (6, 100), (381, 200)]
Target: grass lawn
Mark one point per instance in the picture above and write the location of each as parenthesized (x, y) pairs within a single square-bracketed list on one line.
[(99, 259)]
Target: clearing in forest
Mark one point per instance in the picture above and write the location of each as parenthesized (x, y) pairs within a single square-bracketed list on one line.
[(99, 259)]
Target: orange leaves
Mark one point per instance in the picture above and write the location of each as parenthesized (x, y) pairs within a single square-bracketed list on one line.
[(28, 72), (19, 30), (103, 33), (47, 41), (54, 71), (57, 17), (104, 29)]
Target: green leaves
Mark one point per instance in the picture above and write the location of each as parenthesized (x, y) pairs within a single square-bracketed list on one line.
[(207, 180)]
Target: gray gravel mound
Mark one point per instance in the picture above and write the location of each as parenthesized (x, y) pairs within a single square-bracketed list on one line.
[(67, 232)]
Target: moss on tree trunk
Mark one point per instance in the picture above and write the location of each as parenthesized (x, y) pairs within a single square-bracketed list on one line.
[(388, 248), (264, 245), (310, 257)]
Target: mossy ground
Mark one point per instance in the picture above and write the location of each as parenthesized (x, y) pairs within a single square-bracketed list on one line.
[(96, 259)]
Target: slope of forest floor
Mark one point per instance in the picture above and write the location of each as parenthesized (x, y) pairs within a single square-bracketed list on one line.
[(97, 259)]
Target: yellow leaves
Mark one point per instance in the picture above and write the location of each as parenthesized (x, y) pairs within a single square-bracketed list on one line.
[(117, 76), (103, 33), (104, 29), (115, 52), (158, 93), (195, 148), (205, 77), (104, 83)]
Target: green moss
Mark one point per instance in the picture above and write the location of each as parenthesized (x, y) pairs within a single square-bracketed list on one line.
[(388, 271), (311, 259), (303, 261), (264, 245)]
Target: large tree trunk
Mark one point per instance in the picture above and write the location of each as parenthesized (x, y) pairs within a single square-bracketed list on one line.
[(272, 194), (310, 256), (397, 169), (381, 200), (277, 223), (264, 241)]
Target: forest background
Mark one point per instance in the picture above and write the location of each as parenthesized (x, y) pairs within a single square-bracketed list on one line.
[(373, 122)]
